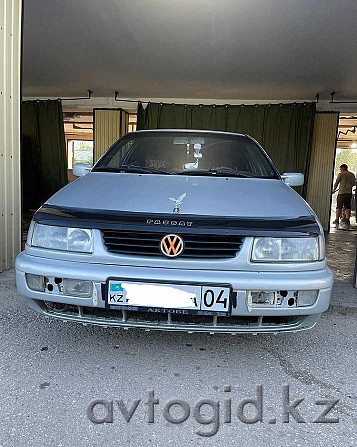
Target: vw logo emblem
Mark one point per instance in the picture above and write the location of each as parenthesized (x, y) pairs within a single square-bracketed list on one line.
[(171, 245)]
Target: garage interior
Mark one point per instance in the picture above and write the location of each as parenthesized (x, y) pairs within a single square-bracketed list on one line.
[(78, 74), (143, 67)]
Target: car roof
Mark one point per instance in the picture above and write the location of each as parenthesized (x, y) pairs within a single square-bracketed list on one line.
[(218, 132)]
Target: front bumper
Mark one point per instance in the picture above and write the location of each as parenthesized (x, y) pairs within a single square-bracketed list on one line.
[(259, 319)]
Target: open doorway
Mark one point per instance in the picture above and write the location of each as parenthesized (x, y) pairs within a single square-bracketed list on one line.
[(78, 129), (346, 153)]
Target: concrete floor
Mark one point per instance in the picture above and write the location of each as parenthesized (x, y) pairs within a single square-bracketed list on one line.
[(50, 371), (341, 255), (341, 252)]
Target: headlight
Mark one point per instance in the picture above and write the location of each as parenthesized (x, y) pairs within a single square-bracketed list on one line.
[(288, 249), (62, 238)]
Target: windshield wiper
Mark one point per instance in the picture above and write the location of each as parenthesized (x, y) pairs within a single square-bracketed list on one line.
[(132, 168), (225, 172), (230, 171), (221, 171)]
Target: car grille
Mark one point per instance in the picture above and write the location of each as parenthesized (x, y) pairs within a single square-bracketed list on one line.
[(164, 321), (143, 243)]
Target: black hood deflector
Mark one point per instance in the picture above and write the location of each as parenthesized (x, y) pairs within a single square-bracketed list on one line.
[(178, 223)]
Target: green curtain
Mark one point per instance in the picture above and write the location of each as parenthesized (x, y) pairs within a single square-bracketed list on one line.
[(284, 130), (44, 160)]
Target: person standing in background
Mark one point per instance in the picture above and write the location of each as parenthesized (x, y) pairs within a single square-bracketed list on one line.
[(346, 180)]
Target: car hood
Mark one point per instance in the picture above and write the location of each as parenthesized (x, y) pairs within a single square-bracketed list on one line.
[(205, 196)]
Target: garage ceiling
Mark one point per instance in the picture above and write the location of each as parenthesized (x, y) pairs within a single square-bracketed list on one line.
[(241, 49)]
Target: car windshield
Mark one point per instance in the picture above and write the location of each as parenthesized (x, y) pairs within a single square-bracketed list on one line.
[(187, 153)]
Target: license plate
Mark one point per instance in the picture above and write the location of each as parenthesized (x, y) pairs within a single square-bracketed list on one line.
[(170, 298)]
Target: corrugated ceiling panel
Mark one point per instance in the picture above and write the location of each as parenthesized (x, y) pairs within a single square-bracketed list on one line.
[(10, 190), (109, 126), (106, 130), (321, 166)]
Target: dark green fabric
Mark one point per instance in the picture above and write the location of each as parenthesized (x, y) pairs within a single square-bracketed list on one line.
[(284, 130), (44, 160)]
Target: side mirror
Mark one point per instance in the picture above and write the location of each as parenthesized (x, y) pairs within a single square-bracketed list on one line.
[(80, 169), (293, 178)]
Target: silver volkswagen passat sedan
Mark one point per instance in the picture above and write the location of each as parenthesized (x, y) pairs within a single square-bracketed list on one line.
[(179, 230)]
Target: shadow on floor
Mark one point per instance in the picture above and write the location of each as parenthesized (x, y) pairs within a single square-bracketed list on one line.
[(341, 253)]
